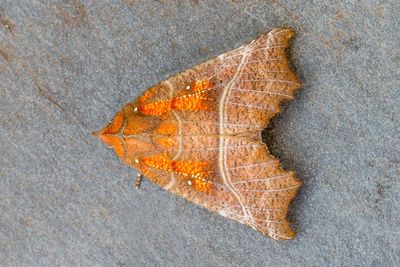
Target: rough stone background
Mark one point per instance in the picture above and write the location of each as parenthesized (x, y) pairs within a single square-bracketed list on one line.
[(68, 66)]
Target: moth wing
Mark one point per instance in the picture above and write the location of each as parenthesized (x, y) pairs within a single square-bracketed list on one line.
[(246, 182), (257, 78), (248, 84)]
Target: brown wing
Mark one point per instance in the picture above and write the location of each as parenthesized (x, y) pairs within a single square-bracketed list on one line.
[(248, 85), (202, 141), (247, 184)]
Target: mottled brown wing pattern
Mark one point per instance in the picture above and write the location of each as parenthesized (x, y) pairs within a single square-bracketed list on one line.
[(251, 189), (249, 84), (204, 144), (262, 79)]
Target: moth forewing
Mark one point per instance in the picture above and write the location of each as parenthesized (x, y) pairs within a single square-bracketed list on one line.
[(197, 134)]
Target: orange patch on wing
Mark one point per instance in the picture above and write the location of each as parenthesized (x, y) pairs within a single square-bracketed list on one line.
[(145, 96), (197, 171), (191, 102), (166, 128), (160, 161), (115, 125), (201, 85), (191, 168), (156, 108), (202, 185), (115, 142)]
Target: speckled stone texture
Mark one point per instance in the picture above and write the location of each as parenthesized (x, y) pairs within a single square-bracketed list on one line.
[(68, 66)]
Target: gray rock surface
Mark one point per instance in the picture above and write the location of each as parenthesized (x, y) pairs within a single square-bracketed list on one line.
[(68, 66)]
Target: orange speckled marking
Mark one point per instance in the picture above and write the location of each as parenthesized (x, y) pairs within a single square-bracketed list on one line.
[(202, 185), (195, 170), (160, 161), (191, 168), (156, 108), (145, 96), (201, 85), (191, 102)]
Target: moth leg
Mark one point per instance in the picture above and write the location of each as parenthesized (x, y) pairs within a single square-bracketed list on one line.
[(138, 180)]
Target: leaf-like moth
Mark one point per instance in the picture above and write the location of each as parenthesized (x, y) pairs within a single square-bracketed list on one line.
[(198, 134)]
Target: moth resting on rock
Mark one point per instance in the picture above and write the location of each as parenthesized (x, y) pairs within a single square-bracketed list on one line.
[(198, 134)]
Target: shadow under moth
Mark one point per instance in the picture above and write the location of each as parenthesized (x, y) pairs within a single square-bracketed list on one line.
[(198, 134)]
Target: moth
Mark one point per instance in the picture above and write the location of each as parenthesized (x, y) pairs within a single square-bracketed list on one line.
[(198, 134)]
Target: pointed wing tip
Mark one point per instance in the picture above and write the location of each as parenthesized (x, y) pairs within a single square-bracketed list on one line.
[(281, 36), (279, 231), (282, 234), (289, 33), (290, 235)]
